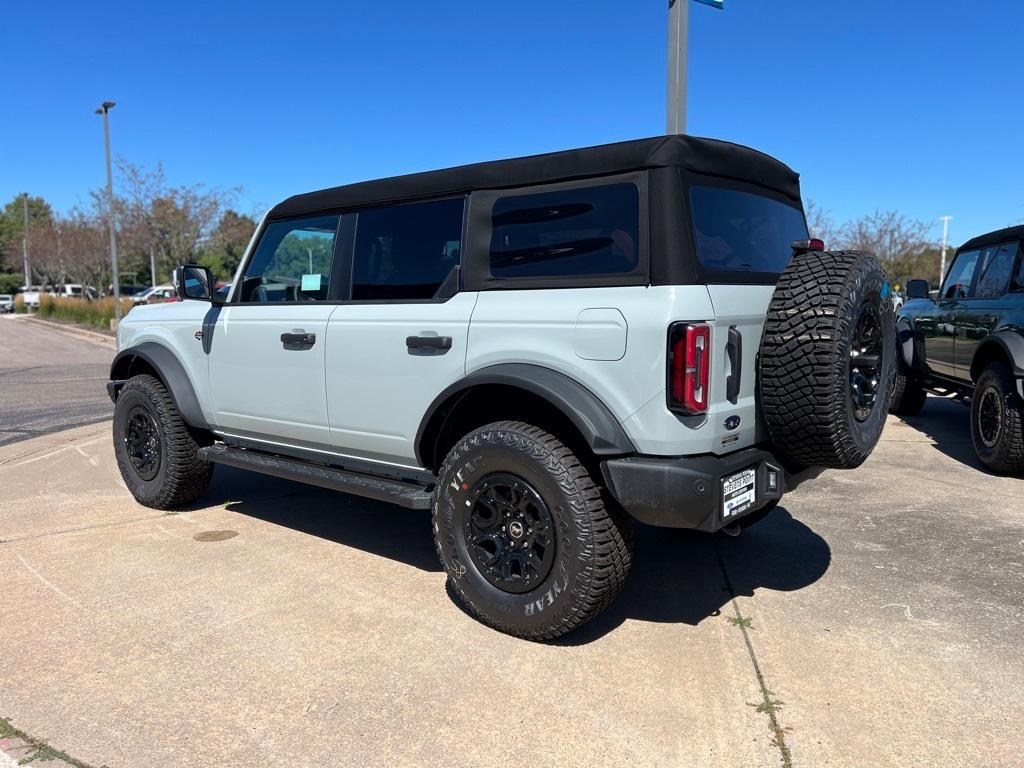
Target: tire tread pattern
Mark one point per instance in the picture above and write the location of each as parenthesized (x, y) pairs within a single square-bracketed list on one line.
[(187, 475), (1007, 457), (604, 543), (804, 357), (908, 396)]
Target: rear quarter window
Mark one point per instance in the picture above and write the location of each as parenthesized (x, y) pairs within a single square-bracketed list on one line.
[(593, 230), (743, 232)]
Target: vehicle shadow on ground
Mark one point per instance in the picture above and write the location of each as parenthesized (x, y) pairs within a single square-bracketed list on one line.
[(376, 527), (684, 577), (678, 576), (947, 423)]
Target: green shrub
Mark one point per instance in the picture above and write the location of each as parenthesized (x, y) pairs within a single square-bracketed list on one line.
[(10, 282), (97, 313)]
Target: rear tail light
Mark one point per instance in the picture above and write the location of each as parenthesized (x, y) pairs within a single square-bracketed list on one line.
[(689, 360), (814, 244)]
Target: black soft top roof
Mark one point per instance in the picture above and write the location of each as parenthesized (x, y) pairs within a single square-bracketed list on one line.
[(994, 238), (705, 156)]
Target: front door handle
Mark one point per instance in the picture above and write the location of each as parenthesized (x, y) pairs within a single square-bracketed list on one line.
[(298, 341), (428, 342)]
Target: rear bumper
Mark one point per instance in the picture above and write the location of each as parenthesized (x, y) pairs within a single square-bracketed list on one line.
[(686, 492)]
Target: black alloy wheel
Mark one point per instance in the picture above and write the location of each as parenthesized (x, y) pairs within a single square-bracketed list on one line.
[(142, 443), (990, 417), (865, 361), (510, 533)]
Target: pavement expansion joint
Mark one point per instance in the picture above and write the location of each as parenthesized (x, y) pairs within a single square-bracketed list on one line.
[(769, 705), (19, 748)]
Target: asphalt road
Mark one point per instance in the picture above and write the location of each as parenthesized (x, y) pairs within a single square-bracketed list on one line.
[(873, 619), (49, 380)]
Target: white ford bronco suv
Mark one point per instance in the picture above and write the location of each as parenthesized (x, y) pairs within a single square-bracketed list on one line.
[(538, 350)]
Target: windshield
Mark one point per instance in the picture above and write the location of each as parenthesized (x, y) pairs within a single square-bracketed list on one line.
[(738, 231)]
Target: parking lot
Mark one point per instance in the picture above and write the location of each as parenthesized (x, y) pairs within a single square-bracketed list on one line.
[(872, 620)]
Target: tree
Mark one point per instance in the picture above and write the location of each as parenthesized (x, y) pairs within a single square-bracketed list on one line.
[(900, 242), (227, 243), (160, 225), (820, 224), (12, 218), (85, 249)]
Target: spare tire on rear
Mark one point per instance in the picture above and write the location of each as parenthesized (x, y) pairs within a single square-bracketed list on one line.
[(828, 358)]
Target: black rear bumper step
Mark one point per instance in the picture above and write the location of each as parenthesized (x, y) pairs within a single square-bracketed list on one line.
[(408, 495)]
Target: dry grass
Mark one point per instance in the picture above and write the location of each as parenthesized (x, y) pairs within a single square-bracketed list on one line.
[(96, 313)]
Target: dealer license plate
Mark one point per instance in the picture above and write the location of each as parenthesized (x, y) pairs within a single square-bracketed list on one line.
[(739, 492)]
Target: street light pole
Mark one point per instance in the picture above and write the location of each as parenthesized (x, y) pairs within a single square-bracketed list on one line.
[(24, 241), (678, 32), (104, 109), (678, 29), (942, 258)]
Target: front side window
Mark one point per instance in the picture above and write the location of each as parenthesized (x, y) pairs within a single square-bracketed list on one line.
[(404, 252), (292, 261), (997, 264), (738, 231), (591, 230), (958, 280)]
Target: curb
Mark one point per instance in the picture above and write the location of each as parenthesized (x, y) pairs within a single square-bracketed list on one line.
[(93, 336)]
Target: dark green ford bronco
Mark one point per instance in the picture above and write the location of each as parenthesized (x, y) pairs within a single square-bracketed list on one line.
[(968, 341)]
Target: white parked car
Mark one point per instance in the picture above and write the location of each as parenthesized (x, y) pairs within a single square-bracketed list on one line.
[(158, 293), (538, 350), (75, 291), (6, 303), (30, 295)]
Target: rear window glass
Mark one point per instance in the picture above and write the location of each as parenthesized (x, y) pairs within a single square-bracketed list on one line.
[(743, 232), (584, 231)]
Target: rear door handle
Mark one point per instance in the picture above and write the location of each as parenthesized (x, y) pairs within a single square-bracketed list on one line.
[(428, 342), (734, 349), (298, 340)]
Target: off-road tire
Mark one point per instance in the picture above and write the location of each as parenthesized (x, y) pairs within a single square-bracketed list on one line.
[(908, 396), (181, 476), (593, 541), (805, 358), (1004, 454)]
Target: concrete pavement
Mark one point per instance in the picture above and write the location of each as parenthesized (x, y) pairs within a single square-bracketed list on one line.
[(49, 380), (872, 621)]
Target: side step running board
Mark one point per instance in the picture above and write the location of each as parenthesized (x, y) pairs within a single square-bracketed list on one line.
[(409, 495)]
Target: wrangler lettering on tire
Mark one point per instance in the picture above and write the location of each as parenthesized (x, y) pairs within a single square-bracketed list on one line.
[(523, 533)]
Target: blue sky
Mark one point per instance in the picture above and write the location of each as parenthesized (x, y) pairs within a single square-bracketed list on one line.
[(916, 105)]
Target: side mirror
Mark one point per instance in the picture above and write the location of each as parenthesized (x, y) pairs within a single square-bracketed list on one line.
[(193, 281), (917, 289)]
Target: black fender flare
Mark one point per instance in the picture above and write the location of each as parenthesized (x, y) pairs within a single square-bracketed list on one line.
[(591, 417), (908, 344), (170, 371), (1010, 343)]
